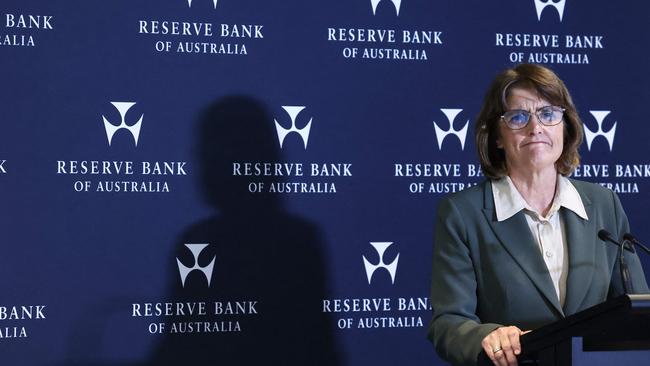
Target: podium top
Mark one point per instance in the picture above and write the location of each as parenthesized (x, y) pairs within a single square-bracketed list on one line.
[(639, 301), (621, 320)]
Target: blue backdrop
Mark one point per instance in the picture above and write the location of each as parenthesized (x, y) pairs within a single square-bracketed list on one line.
[(208, 182)]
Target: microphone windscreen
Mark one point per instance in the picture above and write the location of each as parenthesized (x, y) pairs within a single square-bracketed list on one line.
[(605, 235)]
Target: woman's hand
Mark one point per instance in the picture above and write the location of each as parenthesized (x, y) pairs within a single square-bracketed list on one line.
[(502, 345)]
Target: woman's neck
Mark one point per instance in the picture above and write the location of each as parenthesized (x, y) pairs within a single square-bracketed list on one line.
[(536, 187)]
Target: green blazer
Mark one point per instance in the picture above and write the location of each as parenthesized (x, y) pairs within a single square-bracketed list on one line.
[(488, 273)]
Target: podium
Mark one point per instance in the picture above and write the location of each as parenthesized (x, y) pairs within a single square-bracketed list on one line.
[(611, 328)]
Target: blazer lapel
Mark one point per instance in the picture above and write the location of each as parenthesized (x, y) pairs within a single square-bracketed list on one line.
[(581, 255), (515, 236)]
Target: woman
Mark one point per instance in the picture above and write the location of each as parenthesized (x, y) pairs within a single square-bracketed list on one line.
[(521, 249)]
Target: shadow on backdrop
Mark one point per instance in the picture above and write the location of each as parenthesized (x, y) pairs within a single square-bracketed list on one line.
[(268, 266)]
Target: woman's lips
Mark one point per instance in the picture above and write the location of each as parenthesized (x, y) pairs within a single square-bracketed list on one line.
[(536, 142)]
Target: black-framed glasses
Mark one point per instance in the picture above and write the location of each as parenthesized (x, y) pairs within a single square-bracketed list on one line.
[(517, 119)]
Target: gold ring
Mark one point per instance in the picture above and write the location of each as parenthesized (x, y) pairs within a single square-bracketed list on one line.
[(498, 349)]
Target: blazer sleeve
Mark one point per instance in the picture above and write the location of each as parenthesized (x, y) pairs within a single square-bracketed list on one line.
[(455, 330), (637, 276)]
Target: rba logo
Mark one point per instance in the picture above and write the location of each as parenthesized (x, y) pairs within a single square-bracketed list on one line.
[(375, 3), (293, 112), (123, 108), (391, 267), (591, 135), (540, 5), (189, 3), (441, 134), (184, 271)]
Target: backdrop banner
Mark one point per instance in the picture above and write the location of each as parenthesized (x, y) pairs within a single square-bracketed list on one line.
[(244, 182)]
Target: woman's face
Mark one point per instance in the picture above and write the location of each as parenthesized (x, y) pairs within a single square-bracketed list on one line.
[(535, 147)]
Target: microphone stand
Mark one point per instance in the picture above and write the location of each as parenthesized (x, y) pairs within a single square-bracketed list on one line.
[(634, 241), (625, 272)]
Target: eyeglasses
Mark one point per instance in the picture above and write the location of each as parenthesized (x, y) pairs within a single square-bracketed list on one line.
[(517, 119)]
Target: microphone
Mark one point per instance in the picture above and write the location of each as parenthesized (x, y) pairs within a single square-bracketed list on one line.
[(605, 235), (633, 240)]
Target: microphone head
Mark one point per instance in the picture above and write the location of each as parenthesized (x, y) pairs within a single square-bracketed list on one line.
[(631, 242), (630, 237), (605, 235)]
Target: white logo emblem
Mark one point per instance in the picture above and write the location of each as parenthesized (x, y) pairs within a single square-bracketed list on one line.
[(293, 112), (381, 247), (196, 250), (122, 107), (540, 5), (189, 3), (2, 167), (442, 134), (591, 135), (375, 3)]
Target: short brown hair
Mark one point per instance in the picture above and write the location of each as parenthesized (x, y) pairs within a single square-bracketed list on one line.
[(548, 86)]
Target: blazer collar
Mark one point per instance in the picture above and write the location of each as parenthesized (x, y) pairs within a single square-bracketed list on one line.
[(518, 241), (576, 208), (581, 240)]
